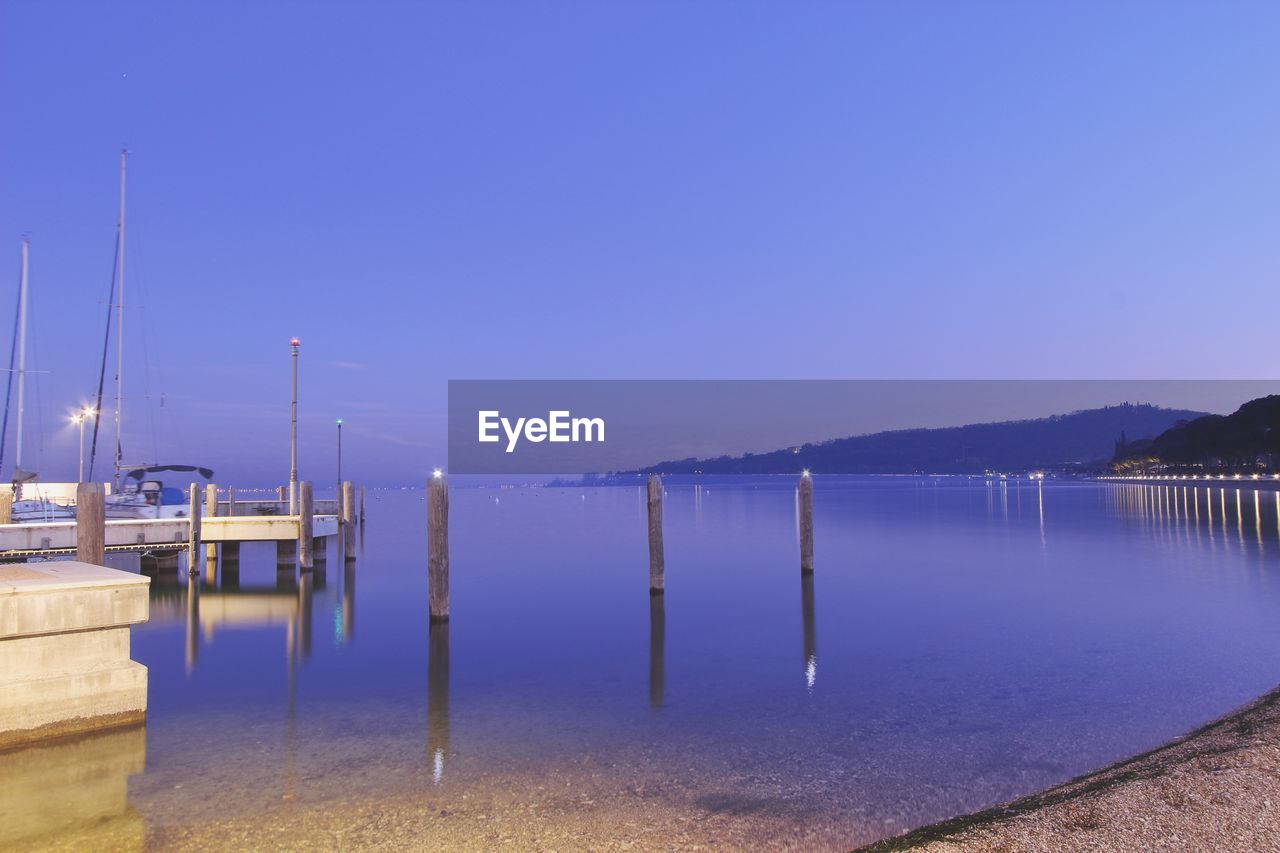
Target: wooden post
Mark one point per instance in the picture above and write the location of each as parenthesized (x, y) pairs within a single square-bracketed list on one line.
[(6, 504), (349, 520), (211, 510), (657, 567), (193, 536), (306, 518), (438, 547), (91, 523), (361, 515), (806, 523)]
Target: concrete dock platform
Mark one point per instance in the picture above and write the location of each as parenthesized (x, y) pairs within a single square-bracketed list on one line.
[(64, 650)]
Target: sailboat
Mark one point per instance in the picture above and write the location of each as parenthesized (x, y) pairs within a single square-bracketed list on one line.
[(135, 495), (29, 504)]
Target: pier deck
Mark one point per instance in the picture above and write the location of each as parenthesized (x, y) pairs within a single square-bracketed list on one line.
[(151, 533)]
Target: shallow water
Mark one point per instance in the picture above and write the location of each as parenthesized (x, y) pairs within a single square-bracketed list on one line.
[(962, 642)]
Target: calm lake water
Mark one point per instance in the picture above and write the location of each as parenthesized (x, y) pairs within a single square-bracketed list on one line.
[(962, 642)]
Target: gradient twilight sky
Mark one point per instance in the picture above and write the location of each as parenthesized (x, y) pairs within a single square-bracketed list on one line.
[(426, 191)]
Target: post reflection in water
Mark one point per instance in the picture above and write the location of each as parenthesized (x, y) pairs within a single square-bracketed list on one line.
[(657, 651), (810, 631), (193, 624), (346, 629), (438, 698)]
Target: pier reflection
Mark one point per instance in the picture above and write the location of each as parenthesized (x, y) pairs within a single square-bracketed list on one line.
[(291, 603), (73, 794), (438, 698)]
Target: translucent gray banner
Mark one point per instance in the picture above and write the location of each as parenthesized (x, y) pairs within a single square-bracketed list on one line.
[(523, 427)]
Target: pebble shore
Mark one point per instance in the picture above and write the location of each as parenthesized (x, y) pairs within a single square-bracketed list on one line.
[(1216, 788)]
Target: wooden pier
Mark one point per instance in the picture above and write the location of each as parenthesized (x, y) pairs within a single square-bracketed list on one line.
[(47, 538)]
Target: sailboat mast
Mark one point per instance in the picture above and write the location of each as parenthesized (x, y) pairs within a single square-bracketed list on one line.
[(120, 317), (22, 357)]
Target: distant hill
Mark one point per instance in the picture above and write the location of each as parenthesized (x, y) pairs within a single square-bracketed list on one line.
[(1081, 440), (1245, 440)]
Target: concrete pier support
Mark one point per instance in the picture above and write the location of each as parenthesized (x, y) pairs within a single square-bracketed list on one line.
[(64, 650)]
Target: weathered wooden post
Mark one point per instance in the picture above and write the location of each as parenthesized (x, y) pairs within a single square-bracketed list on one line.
[(438, 547), (657, 568), (806, 522), (361, 516), (91, 523), (211, 510), (6, 504), (230, 568), (348, 520), (193, 535), (306, 518)]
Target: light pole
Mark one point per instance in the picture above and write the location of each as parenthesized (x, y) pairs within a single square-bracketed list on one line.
[(293, 441), (339, 459), (79, 418)]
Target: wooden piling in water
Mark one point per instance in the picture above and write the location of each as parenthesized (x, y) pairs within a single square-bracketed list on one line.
[(91, 523), (306, 518), (348, 507), (193, 536), (657, 566), (6, 504), (806, 523), (361, 514), (211, 510), (438, 547)]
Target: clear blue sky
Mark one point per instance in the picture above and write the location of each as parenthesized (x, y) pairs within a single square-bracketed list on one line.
[(425, 191)]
